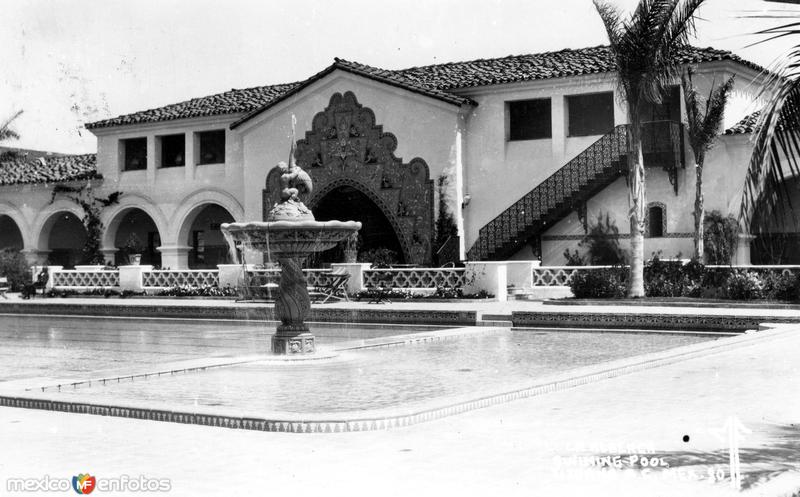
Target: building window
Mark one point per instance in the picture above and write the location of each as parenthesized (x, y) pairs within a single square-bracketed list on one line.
[(211, 147), (135, 150), (656, 220), (529, 119), (590, 114), (173, 150)]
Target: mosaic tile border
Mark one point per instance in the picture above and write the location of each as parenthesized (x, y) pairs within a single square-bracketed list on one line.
[(586, 376), (248, 312), (663, 321)]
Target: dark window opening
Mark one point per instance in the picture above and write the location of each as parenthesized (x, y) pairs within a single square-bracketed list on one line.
[(173, 150), (529, 119), (591, 114), (669, 109), (212, 147), (135, 150), (655, 221)]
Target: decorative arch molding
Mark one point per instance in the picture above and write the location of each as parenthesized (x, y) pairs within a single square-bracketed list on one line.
[(112, 216), (46, 219), (192, 204), (374, 197), (16, 215), (346, 147)]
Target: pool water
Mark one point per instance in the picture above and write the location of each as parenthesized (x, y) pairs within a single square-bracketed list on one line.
[(385, 377), (59, 346)]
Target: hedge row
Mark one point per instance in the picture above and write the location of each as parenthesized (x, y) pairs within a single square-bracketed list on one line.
[(693, 279)]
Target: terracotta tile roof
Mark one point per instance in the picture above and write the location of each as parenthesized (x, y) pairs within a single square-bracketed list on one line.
[(230, 102), (49, 169), (748, 125), (435, 81), (563, 63)]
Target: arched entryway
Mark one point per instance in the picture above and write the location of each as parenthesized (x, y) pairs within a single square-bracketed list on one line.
[(201, 232), (64, 236), (135, 227), (10, 234), (347, 203)]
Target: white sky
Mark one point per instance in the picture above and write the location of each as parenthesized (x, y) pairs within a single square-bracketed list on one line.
[(69, 62)]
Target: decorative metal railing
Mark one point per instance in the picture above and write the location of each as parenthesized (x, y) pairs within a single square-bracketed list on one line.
[(85, 279), (554, 197), (414, 278), (186, 277)]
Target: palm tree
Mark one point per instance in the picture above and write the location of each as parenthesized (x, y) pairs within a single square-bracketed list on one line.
[(6, 133), (703, 123), (776, 140), (644, 47)]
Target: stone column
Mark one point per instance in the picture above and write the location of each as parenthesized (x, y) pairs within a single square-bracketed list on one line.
[(356, 270), (35, 256), (742, 255), (292, 308), (489, 276), (109, 254), (131, 278), (175, 256)]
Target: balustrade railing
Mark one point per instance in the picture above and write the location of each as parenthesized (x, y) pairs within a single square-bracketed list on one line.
[(167, 278), (71, 278), (408, 278)]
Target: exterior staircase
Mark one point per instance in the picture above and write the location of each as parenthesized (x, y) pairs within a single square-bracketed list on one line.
[(554, 198)]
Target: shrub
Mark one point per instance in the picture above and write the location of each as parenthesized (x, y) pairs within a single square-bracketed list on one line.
[(602, 243), (673, 278), (198, 291), (599, 283), (574, 258), (780, 286), (379, 257), (744, 285), (14, 267)]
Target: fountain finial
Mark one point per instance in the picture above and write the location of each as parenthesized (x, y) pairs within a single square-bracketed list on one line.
[(293, 183)]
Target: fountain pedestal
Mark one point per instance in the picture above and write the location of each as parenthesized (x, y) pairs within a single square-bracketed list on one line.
[(292, 308)]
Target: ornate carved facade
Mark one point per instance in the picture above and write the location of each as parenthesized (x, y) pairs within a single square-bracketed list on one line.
[(346, 148)]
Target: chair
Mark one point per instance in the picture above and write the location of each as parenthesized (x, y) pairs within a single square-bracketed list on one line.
[(380, 293), (333, 285), (4, 287)]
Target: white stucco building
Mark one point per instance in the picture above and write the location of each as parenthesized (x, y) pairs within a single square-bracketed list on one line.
[(527, 149)]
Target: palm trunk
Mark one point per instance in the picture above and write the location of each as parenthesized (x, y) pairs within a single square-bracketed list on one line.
[(636, 201), (698, 212)]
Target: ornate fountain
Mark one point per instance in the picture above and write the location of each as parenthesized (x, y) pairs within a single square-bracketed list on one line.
[(290, 234)]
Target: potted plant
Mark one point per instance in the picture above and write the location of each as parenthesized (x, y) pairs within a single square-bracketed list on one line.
[(133, 247)]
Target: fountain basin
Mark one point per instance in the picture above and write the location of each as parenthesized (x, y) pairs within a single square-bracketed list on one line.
[(290, 239)]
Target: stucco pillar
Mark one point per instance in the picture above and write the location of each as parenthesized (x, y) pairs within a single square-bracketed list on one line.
[(35, 270), (175, 256), (109, 254), (558, 128), (130, 277), (742, 255), (232, 275), (152, 161), (35, 256), (489, 276), (356, 270), (520, 273), (189, 155)]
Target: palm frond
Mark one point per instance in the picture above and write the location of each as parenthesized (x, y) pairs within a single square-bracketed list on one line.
[(6, 133), (612, 20)]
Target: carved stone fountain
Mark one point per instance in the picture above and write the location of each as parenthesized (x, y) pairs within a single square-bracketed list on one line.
[(290, 234)]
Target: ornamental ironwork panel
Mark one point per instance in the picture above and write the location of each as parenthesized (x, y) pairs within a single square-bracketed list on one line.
[(345, 147)]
